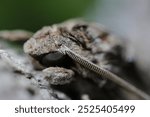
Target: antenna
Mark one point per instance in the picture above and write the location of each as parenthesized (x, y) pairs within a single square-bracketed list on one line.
[(103, 72)]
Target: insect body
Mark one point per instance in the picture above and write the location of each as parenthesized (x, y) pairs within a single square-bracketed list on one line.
[(79, 58)]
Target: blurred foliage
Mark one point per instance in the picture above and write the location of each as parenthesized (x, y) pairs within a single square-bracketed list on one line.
[(33, 14)]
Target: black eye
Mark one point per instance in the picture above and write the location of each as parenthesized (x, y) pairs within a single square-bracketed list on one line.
[(52, 59)]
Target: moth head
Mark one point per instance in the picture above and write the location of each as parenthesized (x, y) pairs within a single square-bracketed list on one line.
[(44, 46)]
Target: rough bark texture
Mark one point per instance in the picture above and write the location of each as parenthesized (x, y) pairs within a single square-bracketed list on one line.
[(51, 75)]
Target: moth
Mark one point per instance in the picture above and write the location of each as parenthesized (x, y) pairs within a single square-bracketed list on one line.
[(81, 59)]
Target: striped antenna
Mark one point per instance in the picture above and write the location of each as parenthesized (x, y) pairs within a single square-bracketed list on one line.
[(103, 72)]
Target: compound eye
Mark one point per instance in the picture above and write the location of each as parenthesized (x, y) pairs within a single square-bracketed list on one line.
[(54, 58)]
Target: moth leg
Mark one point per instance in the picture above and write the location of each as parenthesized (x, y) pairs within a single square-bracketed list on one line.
[(58, 75), (15, 35)]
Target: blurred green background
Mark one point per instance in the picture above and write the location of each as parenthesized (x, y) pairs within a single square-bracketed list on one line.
[(33, 14), (129, 19)]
